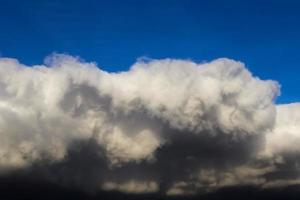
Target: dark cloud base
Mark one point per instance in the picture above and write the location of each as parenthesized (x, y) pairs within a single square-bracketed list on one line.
[(76, 177), (22, 188), (85, 165)]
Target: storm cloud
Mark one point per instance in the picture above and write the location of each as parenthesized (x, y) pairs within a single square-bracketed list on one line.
[(173, 127)]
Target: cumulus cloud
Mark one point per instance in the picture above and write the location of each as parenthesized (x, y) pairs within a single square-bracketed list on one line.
[(171, 126)]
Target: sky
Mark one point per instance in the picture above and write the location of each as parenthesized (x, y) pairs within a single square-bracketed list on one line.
[(262, 34)]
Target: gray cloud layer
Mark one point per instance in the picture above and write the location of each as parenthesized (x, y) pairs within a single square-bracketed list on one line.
[(170, 126)]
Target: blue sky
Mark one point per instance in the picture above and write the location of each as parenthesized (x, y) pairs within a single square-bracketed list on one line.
[(264, 34)]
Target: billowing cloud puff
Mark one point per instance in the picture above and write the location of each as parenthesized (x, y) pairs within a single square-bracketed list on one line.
[(174, 125), (285, 137)]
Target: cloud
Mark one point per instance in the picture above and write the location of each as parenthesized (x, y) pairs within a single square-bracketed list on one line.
[(285, 137), (132, 187), (170, 126)]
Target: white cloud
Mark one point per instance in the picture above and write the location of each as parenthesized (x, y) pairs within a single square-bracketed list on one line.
[(285, 138)]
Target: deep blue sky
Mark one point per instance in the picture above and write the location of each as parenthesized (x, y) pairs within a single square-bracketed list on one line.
[(263, 34)]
